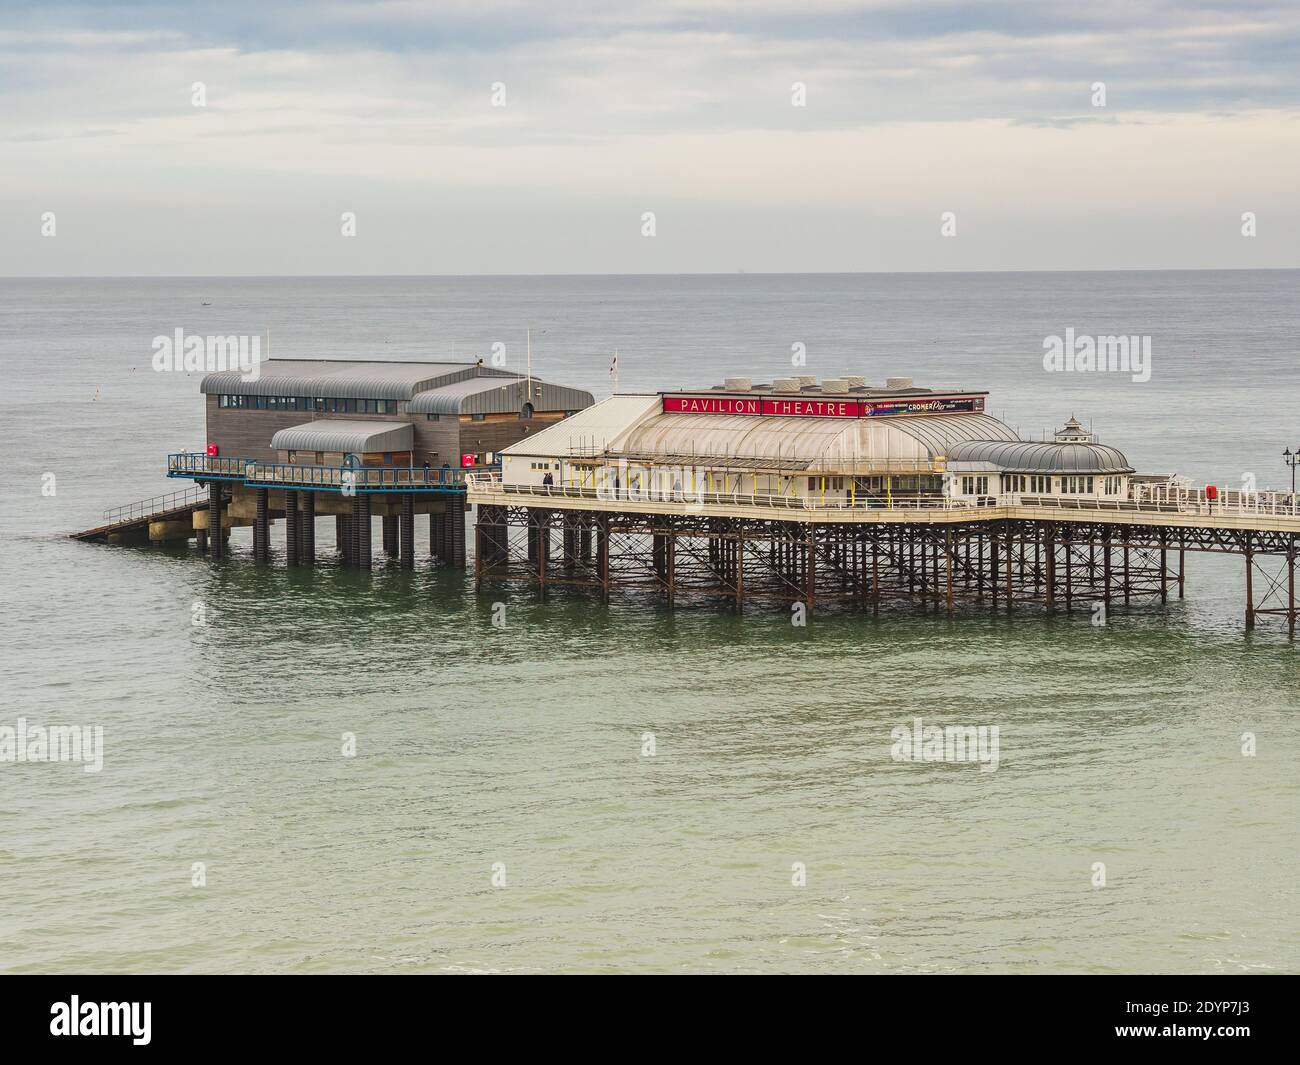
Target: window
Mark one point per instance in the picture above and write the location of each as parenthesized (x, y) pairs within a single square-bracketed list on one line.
[(1076, 485), (1013, 482), (388, 459), (1040, 485), (1112, 486), (431, 417), (974, 486), (479, 417)]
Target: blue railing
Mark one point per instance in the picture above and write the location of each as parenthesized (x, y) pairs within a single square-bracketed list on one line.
[(322, 478), (367, 478)]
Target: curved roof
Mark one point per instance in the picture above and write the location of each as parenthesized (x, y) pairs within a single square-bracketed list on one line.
[(343, 379), (497, 395), (1028, 456), (591, 430), (340, 434), (808, 443)]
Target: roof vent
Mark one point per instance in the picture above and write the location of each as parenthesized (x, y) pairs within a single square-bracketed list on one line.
[(785, 384), (855, 381), (737, 384), (807, 380), (898, 382), (835, 384)]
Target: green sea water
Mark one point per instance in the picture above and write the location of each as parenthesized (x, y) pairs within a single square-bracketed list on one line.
[(501, 812)]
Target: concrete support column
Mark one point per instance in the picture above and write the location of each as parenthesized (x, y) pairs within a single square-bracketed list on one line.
[(456, 518), (262, 526), (438, 535), (340, 538), (307, 530), (407, 531), (389, 522), (291, 541), (361, 515), (215, 543)]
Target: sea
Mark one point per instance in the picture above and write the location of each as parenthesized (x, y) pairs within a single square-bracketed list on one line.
[(330, 771)]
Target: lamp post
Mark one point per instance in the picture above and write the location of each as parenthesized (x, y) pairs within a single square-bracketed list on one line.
[(1292, 459)]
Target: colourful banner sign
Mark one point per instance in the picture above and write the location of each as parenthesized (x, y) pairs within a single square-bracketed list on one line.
[(807, 407), (923, 405)]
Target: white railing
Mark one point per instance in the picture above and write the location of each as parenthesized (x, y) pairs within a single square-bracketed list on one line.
[(491, 482), (1185, 501)]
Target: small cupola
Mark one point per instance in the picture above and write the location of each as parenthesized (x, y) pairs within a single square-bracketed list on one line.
[(1073, 432)]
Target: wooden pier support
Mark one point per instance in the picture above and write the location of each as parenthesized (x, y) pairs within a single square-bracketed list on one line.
[(438, 535), (262, 526), (215, 539), (307, 529), (456, 519), (407, 531), (291, 541), (361, 516)]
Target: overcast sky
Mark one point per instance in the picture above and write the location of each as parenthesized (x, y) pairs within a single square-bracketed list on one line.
[(913, 108)]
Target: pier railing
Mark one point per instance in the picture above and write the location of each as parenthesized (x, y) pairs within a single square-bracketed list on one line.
[(195, 463), (491, 482), (146, 508), (290, 474), (367, 477), (1228, 504)]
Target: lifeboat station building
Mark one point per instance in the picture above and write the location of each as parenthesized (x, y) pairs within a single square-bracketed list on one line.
[(837, 442), (356, 440)]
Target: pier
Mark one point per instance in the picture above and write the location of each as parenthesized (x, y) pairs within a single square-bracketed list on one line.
[(1000, 553), (840, 493), (832, 494)]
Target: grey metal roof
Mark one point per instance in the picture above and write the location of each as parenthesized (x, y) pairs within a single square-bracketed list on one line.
[(942, 432), (1029, 456), (796, 442), (497, 395), (340, 434), (344, 379)]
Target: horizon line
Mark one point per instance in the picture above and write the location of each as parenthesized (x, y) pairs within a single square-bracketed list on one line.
[(666, 273)]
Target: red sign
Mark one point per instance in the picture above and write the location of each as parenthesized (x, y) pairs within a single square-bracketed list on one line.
[(808, 407), (924, 405), (811, 408), (710, 405), (467, 459), (213, 451)]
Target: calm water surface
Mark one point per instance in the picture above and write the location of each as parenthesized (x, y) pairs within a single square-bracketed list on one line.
[(522, 745)]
